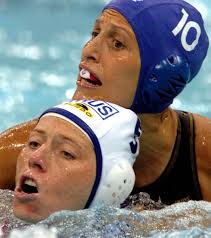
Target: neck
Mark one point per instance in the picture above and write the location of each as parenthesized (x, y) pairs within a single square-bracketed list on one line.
[(156, 145)]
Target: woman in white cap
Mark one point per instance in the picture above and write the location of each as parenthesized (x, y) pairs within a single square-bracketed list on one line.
[(141, 55), (80, 154)]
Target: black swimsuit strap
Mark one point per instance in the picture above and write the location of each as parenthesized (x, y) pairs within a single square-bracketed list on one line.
[(184, 116), (179, 181)]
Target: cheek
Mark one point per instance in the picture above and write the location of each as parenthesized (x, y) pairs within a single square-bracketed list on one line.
[(121, 79), (73, 187), (76, 176), (131, 68), (83, 176), (115, 64), (22, 159), (125, 68), (21, 165)]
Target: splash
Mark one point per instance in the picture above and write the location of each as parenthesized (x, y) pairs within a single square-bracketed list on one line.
[(188, 219)]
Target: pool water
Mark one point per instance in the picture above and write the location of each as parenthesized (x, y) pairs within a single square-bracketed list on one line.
[(41, 42), (183, 220)]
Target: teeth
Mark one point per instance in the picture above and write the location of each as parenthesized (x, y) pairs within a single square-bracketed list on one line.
[(85, 74), (30, 183)]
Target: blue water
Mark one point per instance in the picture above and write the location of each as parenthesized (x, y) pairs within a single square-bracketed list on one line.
[(41, 42)]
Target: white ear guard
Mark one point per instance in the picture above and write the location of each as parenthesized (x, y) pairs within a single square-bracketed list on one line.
[(114, 132), (116, 183)]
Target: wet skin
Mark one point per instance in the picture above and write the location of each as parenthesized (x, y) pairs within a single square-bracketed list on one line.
[(60, 160)]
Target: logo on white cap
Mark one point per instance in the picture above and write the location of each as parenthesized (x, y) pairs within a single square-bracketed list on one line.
[(103, 109)]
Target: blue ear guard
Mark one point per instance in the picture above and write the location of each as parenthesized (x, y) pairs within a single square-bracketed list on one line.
[(166, 80)]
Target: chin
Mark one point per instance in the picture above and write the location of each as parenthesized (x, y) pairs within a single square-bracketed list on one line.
[(27, 216), (85, 94), (79, 95)]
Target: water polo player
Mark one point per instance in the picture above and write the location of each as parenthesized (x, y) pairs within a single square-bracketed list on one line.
[(80, 154)]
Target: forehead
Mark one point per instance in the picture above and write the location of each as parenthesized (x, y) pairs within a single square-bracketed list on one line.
[(54, 126), (115, 19)]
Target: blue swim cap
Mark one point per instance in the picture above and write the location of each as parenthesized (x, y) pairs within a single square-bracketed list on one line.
[(173, 44)]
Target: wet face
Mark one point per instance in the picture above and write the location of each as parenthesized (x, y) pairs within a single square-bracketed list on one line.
[(55, 171), (110, 63)]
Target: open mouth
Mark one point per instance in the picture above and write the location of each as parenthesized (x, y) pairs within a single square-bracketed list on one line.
[(90, 78), (29, 186)]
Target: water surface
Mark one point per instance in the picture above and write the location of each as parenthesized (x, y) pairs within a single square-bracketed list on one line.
[(188, 219)]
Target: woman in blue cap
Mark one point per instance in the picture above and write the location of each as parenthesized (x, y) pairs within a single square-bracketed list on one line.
[(141, 55)]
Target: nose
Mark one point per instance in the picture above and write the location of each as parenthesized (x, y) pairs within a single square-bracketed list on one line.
[(38, 159), (92, 50)]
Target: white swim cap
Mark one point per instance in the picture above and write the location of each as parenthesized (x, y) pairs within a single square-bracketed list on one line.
[(114, 132)]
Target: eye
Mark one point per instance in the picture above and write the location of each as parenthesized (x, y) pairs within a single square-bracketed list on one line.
[(94, 34), (118, 44), (68, 155), (33, 144)]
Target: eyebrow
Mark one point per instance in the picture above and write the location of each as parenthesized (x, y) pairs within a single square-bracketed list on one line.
[(114, 28), (68, 140), (58, 137), (38, 131)]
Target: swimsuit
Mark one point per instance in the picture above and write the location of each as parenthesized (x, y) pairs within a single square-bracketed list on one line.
[(179, 181)]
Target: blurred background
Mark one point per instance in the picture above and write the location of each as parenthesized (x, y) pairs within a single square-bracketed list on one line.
[(40, 49)]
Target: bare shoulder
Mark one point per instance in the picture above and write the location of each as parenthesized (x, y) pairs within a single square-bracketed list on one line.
[(203, 153), (20, 129), (11, 143), (203, 136)]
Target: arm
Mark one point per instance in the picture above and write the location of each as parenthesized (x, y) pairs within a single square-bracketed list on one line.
[(11, 143), (203, 154)]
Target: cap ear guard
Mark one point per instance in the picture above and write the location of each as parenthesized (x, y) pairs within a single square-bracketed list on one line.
[(166, 80), (117, 183), (118, 177)]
